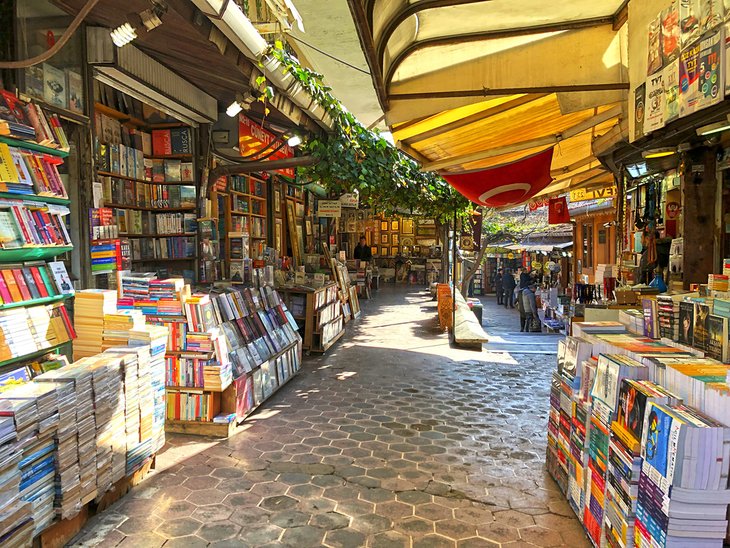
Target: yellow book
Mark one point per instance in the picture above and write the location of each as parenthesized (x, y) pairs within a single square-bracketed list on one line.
[(8, 172)]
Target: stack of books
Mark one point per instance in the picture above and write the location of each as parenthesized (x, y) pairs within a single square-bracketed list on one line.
[(37, 471), (717, 282), (556, 457), (129, 357), (16, 524), (683, 488), (118, 325), (68, 484), (28, 172), (668, 311), (89, 310)]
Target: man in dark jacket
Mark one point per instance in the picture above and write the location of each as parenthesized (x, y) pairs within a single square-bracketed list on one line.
[(508, 286), (362, 251), (498, 286)]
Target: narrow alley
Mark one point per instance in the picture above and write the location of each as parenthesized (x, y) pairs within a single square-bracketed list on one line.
[(395, 439)]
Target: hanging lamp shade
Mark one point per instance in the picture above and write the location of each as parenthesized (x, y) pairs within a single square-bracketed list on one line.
[(508, 184)]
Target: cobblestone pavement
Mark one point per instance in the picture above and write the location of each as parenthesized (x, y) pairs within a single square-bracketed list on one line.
[(395, 439)]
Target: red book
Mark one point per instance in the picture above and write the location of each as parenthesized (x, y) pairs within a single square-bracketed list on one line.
[(161, 142), (22, 286), (12, 286), (4, 291), (67, 322), (20, 221), (38, 281)]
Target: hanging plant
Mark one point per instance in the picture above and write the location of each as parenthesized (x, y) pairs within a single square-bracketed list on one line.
[(353, 157)]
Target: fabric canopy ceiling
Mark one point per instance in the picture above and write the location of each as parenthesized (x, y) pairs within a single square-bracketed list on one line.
[(470, 85)]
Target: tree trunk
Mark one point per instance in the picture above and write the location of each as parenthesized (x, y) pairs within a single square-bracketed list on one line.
[(469, 274)]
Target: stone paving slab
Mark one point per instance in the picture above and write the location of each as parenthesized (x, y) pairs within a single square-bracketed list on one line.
[(394, 439)]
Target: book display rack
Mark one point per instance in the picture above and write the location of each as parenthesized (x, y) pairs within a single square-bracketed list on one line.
[(318, 313), (246, 214), (629, 438)]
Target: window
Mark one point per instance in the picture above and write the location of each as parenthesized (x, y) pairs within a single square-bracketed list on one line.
[(587, 246)]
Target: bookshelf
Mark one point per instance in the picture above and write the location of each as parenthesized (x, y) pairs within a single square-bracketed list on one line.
[(246, 213), (34, 321), (318, 313), (148, 177)]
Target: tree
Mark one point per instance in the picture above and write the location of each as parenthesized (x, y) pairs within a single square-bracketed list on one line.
[(502, 228)]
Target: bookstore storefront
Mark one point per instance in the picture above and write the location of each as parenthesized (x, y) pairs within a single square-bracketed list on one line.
[(138, 295)]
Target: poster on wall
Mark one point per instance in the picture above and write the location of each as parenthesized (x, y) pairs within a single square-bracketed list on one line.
[(655, 104), (670, 78), (639, 110), (711, 85), (689, 79), (689, 21), (670, 33), (654, 60), (712, 12)]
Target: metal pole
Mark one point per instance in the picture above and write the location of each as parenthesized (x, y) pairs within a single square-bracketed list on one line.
[(453, 279)]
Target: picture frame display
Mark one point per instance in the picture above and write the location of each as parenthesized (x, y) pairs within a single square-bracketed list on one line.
[(384, 226), (383, 251), (395, 239), (407, 226), (384, 239), (394, 226), (394, 250)]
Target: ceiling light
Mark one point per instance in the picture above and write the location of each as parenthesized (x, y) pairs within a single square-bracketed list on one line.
[(234, 108), (147, 20), (658, 152), (717, 127), (294, 141), (123, 35)]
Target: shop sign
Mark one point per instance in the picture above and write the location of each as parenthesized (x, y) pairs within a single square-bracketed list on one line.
[(583, 195), (536, 265), (510, 255), (654, 103), (350, 200), (252, 138), (537, 203), (329, 208)]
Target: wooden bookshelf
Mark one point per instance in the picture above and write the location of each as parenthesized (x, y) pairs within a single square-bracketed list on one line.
[(321, 308), (134, 132), (35, 198), (246, 206)]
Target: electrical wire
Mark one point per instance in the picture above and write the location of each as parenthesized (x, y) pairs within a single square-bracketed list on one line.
[(315, 48)]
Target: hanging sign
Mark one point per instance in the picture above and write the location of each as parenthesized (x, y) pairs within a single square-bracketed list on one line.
[(329, 208), (583, 195), (350, 200), (252, 138)]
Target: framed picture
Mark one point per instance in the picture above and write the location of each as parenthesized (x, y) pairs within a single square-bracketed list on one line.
[(394, 250), (417, 249), (277, 201), (374, 250), (426, 242), (383, 251), (407, 226), (278, 233), (308, 223), (384, 239), (394, 239), (384, 226), (394, 226)]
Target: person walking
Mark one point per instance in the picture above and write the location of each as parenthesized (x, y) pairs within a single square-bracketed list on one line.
[(525, 279), (508, 286), (531, 320), (498, 289)]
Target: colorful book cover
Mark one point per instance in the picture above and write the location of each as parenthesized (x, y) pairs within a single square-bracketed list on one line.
[(717, 338), (75, 91), (689, 79), (700, 334), (54, 86), (710, 88), (658, 446), (631, 406), (686, 323), (690, 15), (180, 140), (639, 110), (60, 275), (651, 326), (670, 79)]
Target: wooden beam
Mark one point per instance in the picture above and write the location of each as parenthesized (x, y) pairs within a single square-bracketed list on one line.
[(525, 145), (458, 124), (486, 92), (255, 167), (412, 152)]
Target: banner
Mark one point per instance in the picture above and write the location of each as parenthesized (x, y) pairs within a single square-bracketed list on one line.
[(583, 195), (350, 200), (510, 184), (252, 138), (558, 211)]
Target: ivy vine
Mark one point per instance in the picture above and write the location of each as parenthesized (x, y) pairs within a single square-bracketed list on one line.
[(352, 157)]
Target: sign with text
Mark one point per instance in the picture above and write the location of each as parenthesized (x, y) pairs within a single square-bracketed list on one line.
[(329, 208), (254, 140), (350, 200), (583, 195)]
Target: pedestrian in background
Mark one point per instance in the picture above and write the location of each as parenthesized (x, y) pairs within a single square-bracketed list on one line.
[(498, 289), (508, 286)]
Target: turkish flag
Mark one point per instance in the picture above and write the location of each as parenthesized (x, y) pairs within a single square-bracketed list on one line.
[(558, 213), (509, 184)]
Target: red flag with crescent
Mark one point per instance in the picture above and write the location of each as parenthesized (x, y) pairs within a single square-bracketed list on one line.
[(506, 185)]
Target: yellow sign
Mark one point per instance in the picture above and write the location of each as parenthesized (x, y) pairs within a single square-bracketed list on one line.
[(583, 195), (510, 255), (537, 265)]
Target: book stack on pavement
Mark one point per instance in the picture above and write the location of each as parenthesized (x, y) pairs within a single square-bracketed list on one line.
[(129, 357), (683, 488), (90, 307), (79, 378), (118, 325), (16, 519), (611, 371)]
